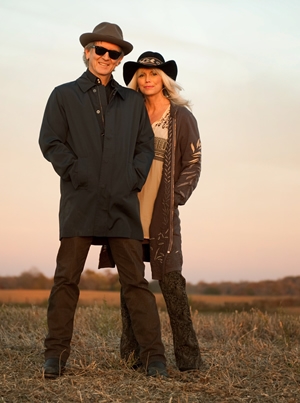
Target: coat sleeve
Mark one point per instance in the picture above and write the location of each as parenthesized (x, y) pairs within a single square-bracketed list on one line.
[(53, 138), (188, 141), (144, 150)]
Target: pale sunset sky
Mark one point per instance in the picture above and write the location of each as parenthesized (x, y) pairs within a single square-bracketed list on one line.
[(239, 64)]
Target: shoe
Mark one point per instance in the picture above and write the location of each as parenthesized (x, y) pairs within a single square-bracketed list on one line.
[(53, 368), (133, 362), (156, 368), (136, 366)]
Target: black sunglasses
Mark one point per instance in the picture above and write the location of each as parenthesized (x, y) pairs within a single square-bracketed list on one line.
[(100, 51)]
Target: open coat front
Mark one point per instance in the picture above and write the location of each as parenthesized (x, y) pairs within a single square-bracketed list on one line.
[(99, 180), (181, 172)]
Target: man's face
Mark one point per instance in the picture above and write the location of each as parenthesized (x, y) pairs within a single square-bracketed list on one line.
[(103, 66)]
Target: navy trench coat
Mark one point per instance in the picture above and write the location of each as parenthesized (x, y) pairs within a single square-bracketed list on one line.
[(99, 180)]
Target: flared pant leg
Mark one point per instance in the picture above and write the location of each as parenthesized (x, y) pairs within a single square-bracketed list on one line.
[(186, 346)]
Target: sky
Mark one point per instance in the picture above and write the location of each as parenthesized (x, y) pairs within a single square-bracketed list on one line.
[(239, 64)]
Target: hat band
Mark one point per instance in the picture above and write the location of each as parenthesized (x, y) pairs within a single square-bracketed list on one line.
[(151, 60)]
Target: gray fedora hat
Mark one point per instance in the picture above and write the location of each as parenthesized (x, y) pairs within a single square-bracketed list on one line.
[(107, 32), (149, 60)]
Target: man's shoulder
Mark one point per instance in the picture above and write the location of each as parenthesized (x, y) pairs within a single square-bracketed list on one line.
[(81, 81), (66, 86), (62, 91), (130, 93)]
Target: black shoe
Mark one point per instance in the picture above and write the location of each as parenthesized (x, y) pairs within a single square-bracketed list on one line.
[(136, 366), (53, 368), (156, 368)]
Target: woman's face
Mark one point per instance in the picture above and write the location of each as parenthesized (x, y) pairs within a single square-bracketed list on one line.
[(149, 81)]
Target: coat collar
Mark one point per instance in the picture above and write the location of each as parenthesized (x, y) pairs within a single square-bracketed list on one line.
[(87, 81), (173, 110)]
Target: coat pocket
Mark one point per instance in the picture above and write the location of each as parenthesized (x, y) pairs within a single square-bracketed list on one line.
[(132, 178), (79, 173)]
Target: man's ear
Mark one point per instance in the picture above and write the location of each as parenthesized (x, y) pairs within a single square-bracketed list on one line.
[(87, 53), (120, 59)]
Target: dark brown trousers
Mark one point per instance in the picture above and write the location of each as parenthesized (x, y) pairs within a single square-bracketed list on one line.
[(186, 347), (140, 301)]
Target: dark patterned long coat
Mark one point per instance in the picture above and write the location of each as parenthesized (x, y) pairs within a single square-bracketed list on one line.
[(181, 172)]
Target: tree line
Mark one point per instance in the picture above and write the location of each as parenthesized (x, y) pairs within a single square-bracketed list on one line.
[(286, 286), (106, 280), (35, 280)]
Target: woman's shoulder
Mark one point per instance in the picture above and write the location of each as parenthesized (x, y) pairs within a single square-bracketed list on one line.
[(181, 112)]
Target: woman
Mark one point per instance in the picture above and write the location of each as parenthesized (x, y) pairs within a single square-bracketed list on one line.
[(173, 176)]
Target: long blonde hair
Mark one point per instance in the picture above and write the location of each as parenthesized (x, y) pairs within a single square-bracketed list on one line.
[(171, 89)]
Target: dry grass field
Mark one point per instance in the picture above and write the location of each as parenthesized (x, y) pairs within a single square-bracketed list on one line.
[(38, 297), (248, 357), (201, 303)]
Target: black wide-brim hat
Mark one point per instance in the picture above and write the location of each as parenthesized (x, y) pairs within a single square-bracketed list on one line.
[(149, 60), (107, 32)]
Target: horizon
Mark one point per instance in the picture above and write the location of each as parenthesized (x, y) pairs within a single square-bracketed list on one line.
[(34, 272)]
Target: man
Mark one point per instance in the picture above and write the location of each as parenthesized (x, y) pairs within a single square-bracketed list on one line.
[(99, 140)]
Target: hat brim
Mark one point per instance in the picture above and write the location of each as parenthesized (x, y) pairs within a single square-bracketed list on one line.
[(87, 38), (129, 69)]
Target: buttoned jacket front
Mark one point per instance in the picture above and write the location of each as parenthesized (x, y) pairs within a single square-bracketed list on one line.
[(99, 178)]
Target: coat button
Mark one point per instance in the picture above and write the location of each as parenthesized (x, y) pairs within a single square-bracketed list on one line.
[(97, 111)]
